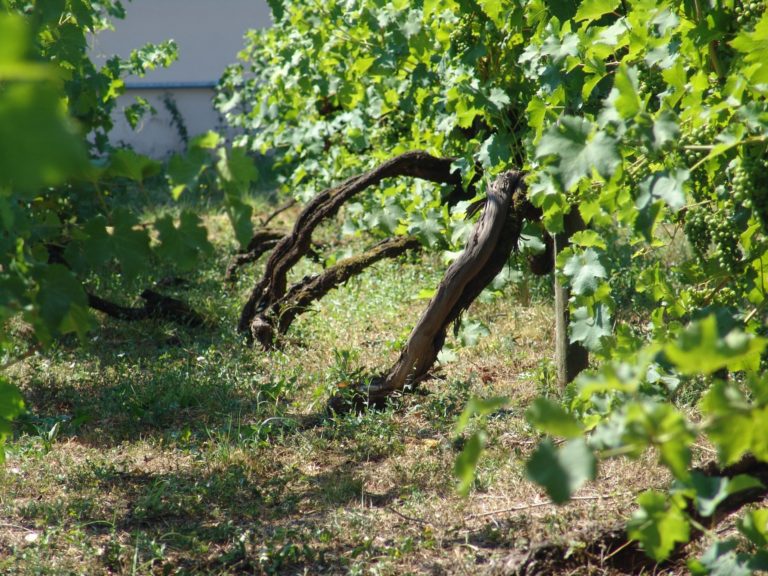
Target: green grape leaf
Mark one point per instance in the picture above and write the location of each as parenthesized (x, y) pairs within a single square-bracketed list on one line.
[(588, 239), (390, 216), (754, 525), (49, 151), (591, 10), (427, 227), (665, 129), (722, 559), (496, 151), (129, 243), (701, 350), (578, 151), (624, 96), (658, 525), (560, 48), (550, 418), (754, 45), (466, 462), (561, 471), (126, 163), (562, 9), (93, 248), (545, 194), (62, 303), (479, 407), (183, 244), (184, 170), (236, 168), (666, 185), (589, 329), (240, 217), (712, 491), (585, 271), (493, 9)]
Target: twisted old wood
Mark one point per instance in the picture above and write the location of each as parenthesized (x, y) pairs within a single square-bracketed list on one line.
[(492, 240), (275, 321), (289, 250)]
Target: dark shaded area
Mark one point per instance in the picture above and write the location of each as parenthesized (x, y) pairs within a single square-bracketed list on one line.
[(157, 307)]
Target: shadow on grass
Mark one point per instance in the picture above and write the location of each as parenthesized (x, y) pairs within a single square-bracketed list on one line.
[(257, 516)]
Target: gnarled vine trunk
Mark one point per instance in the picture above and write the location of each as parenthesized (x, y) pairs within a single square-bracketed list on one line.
[(275, 321), (493, 238), (272, 287)]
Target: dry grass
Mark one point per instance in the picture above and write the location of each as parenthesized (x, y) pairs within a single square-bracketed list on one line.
[(186, 453)]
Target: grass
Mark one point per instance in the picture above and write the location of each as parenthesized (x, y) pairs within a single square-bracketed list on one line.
[(152, 449)]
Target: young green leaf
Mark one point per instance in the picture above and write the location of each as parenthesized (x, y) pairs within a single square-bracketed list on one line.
[(585, 271), (550, 418), (658, 525), (561, 471), (578, 150), (466, 462)]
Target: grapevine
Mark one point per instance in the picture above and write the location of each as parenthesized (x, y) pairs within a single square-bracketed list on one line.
[(635, 117)]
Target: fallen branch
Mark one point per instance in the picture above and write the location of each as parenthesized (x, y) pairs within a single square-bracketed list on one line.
[(277, 319), (493, 238), (325, 205), (157, 306)]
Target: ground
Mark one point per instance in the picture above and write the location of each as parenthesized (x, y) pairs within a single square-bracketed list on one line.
[(155, 449)]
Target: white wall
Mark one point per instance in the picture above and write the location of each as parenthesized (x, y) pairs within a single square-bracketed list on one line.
[(209, 35)]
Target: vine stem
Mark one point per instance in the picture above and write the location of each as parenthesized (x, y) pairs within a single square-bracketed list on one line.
[(715, 152)]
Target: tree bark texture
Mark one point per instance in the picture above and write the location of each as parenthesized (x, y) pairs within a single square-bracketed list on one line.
[(493, 238), (275, 321), (570, 357), (325, 205)]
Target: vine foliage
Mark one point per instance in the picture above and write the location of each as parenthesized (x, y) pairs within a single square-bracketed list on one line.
[(646, 117)]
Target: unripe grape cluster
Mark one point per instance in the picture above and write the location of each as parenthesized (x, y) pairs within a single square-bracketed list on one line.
[(697, 230), (750, 185), (724, 201), (748, 12), (462, 37), (704, 134), (725, 232), (652, 82)]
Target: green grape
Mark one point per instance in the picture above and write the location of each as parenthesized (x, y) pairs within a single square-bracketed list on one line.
[(652, 82), (749, 183), (748, 12), (697, 231), (463, 36)]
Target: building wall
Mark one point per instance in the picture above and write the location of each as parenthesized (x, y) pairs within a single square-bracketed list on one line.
[(209, 34)]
